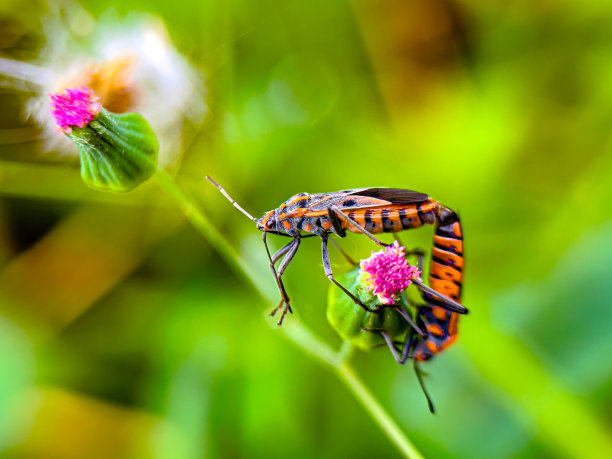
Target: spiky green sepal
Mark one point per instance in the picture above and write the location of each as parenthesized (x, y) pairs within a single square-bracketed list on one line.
[(118, 152)]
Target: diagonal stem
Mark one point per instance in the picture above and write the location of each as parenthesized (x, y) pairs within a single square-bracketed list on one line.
[(377, 411)]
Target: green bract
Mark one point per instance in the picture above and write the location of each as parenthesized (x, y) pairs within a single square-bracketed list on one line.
[(350, 319), (118, 152)]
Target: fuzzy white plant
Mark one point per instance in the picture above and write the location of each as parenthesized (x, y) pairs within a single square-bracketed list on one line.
[(129, 62)]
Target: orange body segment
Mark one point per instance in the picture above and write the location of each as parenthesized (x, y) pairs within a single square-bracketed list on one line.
[(446, 277)]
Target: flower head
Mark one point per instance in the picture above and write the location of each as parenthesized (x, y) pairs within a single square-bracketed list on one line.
[(74, 107), (387, 273), (118, 151), (130, 63)]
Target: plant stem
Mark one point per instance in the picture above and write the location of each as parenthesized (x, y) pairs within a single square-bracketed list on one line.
[(202, 223), (377, 411), (296, 332)]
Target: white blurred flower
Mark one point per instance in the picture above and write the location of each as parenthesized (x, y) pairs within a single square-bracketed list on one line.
[(131, 65)]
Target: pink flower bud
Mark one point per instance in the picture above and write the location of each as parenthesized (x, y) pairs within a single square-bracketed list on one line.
[(75, 107), (387, 273)]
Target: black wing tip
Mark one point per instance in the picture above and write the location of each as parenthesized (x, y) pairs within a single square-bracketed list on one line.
[(394, 195)]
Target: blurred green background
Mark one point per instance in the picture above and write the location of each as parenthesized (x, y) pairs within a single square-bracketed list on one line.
[(124, 334)]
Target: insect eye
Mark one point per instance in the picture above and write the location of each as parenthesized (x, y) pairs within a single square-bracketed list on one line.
[(270, 223)]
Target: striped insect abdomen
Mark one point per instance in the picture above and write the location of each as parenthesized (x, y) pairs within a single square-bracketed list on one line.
[(393, 217), (446, 277)]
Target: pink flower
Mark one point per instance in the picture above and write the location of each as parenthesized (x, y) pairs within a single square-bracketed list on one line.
[(75, 107), (387, 272)]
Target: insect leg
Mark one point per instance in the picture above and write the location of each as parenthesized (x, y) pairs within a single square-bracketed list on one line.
[(346, 255), (330, 275), (407, 302), (336, 210), (289, 249), (403, 358), (336, 224), (295, 244), (285, 306), (279, 283), (406, 316), (420, 253), (282, 251), (419, 375), (407, 346), (449, 304), (328, 272), (399, 359)]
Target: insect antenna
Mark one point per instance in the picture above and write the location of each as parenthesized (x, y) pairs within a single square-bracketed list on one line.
[(229, 198)]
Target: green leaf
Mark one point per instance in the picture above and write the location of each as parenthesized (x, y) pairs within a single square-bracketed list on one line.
[(353, 323), (118, 152)]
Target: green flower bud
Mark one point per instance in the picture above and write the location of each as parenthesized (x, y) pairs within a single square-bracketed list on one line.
[(357, 325), (118, 152)]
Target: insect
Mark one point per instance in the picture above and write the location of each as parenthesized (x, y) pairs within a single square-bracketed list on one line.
[(372, 327), (385, 327), (446, 277), (367, 330), (363, 210)]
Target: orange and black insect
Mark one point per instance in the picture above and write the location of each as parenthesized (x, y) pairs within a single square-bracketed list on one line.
[(446, 277), (362, 210)]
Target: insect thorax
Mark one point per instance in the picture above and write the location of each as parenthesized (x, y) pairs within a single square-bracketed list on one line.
[(292, 218)]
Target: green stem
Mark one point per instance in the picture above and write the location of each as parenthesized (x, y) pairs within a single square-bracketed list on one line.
[(346, 352), (296, 332), (201, 222), (377, 411)]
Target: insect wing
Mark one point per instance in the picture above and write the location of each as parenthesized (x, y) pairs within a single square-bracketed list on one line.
[(392, 195), (319, 204), (361, 198), (358, 198), (364, 198), (328, 200)]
